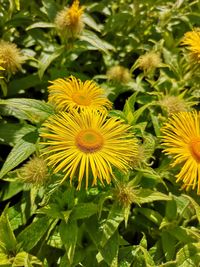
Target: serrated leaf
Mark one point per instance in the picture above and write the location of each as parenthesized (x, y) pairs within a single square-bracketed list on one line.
[(95, 41), (32, 234), (21, 151)]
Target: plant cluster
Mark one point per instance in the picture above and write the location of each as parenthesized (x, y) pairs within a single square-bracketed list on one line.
[(100, 133)]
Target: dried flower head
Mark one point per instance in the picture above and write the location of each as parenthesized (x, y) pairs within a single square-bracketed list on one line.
[(125, 194), (181, 137), (88, 145), (149, 61), (192, 41), (69, 20), (34, 172), (119, 74), (173, 104), (73, 94), (10, 56)]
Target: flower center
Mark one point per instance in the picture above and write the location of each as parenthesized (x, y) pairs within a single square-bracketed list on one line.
[(89, 141), (81, 99), (195, 148)]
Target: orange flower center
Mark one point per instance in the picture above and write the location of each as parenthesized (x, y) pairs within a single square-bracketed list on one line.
[(89, 141), (81, 99), (195, 148)]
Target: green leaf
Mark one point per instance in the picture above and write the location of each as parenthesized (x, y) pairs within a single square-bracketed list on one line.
[(32, 234), (95, 41), (195, 205), (11, 133), (47, 58), (40, 24), (21, 151), (115, 217), (53, 211), (171, 210), (27, 109), (83, 210), (168, 244), (10, 189), (24, 83), (110, 251), (7, 238), (148, 195), (129, 107), (25, 259), (183, 234), (69, 233), (4, 260), (88, 20), (17, 3), (15, 217), (150, 214), (156, 124), (4, 87), (189, 255)]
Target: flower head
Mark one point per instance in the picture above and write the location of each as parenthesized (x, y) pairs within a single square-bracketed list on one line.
[(192, 41), (73, 94), (181, 137), (69, 20), (173, 104), (89, 145), (34, 172), (119, 74), (149, 61), (10, 57), (125, 194)]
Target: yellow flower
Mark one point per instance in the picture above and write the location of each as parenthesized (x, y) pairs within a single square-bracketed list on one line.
[(119, 74), (73, 94), (10, 57), (69, 20), (192, 41), (182, 141), (87, 144)]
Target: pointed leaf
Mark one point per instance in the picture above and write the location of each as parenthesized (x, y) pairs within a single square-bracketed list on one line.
[(69, 233), (7, 237), (32, 234), (21, 151)]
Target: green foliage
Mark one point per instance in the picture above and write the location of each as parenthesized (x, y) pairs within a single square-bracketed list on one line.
[(54, 224)]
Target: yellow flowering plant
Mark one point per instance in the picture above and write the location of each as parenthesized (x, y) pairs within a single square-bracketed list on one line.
[(99, 133)]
